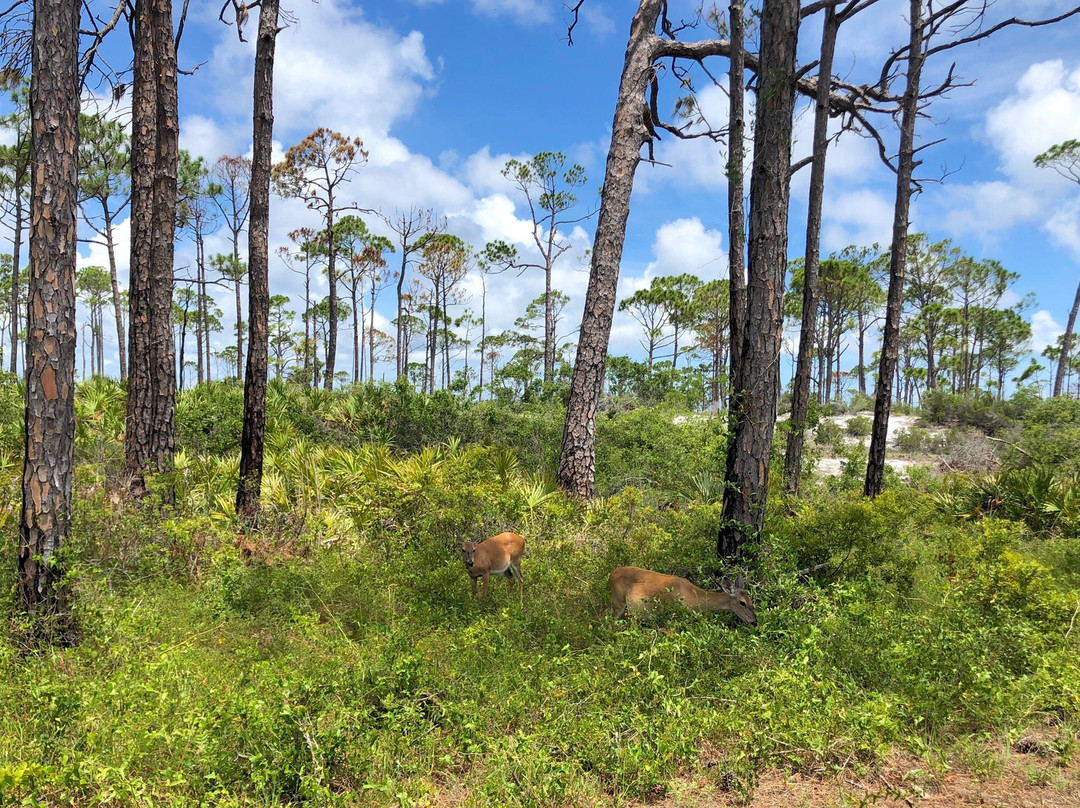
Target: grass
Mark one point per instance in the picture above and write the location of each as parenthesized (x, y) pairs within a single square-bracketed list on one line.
[(338, 658)]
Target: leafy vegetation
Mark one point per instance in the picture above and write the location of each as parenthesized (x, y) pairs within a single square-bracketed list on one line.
[(337, 656)]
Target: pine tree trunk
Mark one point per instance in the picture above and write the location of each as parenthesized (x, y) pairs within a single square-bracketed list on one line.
[(800, 387), (117, 300), (755, 415), (252, 438), (736, 193), (549, 327), (890, 341), (1066, 346), (331, 277), (577, 462), (16, 257), (44, 525), (151, 410)]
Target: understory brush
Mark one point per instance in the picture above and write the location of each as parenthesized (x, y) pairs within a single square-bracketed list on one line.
[(336, 656), (341, 659)]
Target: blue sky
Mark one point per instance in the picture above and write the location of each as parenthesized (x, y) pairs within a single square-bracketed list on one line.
[(443, 93)]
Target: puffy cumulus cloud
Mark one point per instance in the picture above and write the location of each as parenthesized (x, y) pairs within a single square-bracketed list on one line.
[(687, 246), (680, 246), (1044, 110), (1064, 228), (333, 67), (483, 170), (205, 137), (1044, 330), (988, 208), (861, 217)]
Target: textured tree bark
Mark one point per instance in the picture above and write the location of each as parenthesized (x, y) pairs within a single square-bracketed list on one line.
[(51, 332), (577, 462), (252, 439), (890, 339), (755, 411), (800, 388), (149, 443)]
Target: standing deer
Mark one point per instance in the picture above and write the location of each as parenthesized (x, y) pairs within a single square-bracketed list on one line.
[(632, 589), (499, 555)]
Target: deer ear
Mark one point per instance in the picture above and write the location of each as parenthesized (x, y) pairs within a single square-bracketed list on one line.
[(725, 585), (740, 583)]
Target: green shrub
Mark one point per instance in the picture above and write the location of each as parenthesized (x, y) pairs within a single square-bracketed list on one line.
[(209, 418), (859, 426), (979, 409), (916, 440), (829, 434)]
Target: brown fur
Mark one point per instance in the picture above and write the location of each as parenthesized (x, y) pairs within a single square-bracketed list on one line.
[(500, 555), (633, 589)]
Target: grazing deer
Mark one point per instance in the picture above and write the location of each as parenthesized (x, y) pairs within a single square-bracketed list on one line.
[(499, 555), (632, 588)]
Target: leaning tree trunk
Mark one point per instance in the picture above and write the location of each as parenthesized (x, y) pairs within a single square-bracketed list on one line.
[(800, 387), (577, 462), (151, 412), (1066, 346), (890, 340), (755, 412), (50, 329), (251, 441)]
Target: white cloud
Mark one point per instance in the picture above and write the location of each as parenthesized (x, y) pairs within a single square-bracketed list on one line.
[(687, 246), (1044, 109), (1044, 330), (333, 68), (523, 10), (861, 217), (1064, 228)]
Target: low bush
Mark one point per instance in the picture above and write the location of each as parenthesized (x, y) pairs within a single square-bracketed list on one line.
[(859, 426)]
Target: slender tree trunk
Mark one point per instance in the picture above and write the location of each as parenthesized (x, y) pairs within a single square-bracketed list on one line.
[(45, 525), (117, 301), (862, 353), (371, 334), (308, 325), (875, 467), (577, 461), (736, 193), (357, 337), (252, 438), (736, 216), (331, 277), (150, 433), (1066, 346), (402, 358), (800, 388), (16, 257), (755, 416), (549, 318)]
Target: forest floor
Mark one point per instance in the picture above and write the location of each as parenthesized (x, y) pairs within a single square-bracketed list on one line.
[(1021, 780)]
